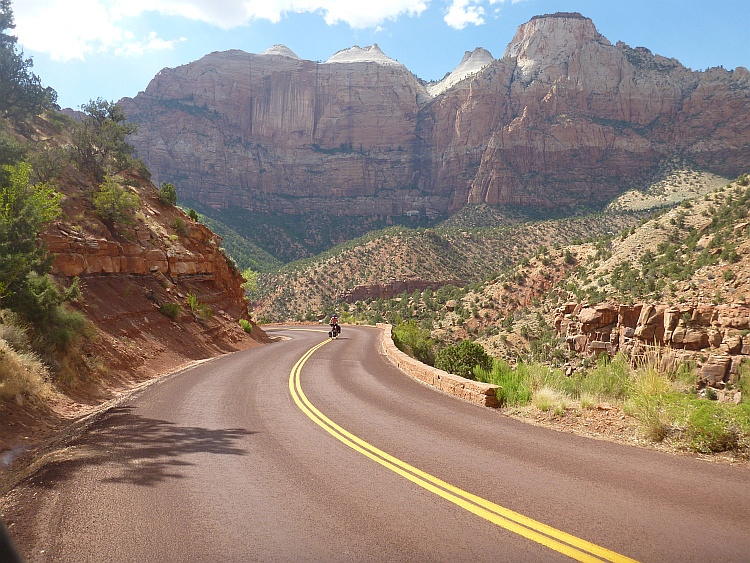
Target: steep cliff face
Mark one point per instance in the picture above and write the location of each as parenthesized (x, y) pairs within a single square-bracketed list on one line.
[(563, 118), (276, 133), (587, 118), (158, 291)]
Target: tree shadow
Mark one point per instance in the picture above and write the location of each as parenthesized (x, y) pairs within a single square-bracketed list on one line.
[(144, 451)]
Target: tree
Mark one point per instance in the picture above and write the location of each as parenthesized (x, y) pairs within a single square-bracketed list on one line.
[(24, 208), (21, 91), (168, 194), (25, 285), (98, 143), (113, 203)]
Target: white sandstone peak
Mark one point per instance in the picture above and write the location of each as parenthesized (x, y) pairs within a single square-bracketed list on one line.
[(281, 51), (356, 54), (473, 62), (544, 40)]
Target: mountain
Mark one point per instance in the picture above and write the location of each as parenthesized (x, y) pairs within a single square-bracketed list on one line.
[(564, 119)]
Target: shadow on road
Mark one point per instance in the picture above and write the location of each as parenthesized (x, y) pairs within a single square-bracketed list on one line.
[(136, 450)]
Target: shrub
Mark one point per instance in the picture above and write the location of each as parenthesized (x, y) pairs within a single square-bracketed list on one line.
[(247, 326), (714, 427), (193, 214), (113, 203), (463, 358), (415, 342), (198, 308), (168, 194), (514, 384), (179, 226), (608, 380), (171, 310), (65, 325)]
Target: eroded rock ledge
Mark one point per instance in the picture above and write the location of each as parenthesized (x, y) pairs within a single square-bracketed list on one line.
[(716, 338)]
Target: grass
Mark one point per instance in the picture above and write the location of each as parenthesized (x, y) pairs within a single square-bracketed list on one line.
[(171, 310), (22, 373), (548, 399), (648, 393), (198, 308), (664, 403)]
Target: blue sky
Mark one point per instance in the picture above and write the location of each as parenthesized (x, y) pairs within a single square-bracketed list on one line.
[(87, 49)]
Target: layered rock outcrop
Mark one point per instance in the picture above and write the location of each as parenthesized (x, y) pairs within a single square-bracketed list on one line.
[(564, 118), (716, 338)]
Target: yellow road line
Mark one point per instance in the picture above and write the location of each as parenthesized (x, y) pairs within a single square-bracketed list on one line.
[(567, 544)]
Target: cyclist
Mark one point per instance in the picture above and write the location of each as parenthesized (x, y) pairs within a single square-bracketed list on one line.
[(335, 327)]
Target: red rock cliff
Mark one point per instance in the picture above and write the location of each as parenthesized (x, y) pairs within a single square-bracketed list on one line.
[(563, 118)]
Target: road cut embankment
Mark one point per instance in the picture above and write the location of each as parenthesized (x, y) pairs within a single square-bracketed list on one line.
[(473, 391)]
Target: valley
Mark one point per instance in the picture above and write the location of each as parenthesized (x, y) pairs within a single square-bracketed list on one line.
[(572, 210)]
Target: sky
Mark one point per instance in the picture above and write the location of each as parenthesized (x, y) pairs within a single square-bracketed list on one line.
[(89, 49)]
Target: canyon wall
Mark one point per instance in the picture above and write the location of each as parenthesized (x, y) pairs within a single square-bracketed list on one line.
[(563, 119)]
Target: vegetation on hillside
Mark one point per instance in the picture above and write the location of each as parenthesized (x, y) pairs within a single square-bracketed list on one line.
[(316, 286), (38, 332)]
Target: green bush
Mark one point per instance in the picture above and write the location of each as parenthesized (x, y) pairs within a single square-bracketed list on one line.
[(198, 308), (415, 342), (171, 310), (247, 326), (715, 427), (514, 383), (463, 358), (168, 194), (608, 380), (179, 226), (113, 203)]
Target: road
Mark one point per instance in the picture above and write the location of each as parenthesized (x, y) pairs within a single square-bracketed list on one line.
[(274, 454)]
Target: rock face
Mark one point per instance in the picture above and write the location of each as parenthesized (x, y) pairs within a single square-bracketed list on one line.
[(714, 337), (129, 271), (563, 118)]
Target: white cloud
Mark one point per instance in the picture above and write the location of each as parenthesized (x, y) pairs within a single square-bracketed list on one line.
[(71, 31), (54, 27), (232, 13), (137, 48), (464, 12)]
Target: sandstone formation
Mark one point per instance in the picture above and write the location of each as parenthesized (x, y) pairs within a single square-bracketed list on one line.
[(563, 118), (158, 290), (715, 337)]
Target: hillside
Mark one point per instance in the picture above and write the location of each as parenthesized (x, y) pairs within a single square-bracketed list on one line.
[(386, 263), (148, 289)]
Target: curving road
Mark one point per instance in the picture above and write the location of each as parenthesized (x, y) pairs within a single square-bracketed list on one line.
[(285, 453)]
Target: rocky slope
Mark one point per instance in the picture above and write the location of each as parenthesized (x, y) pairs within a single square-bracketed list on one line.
[(387, 263), (157, 293), (563, 119)]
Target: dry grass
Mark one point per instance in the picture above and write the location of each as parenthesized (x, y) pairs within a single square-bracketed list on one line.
[(22, 373), (549, 399)]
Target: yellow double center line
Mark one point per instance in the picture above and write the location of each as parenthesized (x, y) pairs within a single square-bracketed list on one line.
[(566, 544)]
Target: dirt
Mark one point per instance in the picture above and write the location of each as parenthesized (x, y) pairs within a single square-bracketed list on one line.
[(606, 421)]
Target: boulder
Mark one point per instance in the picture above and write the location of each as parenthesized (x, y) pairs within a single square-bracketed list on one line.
[(715, 371)]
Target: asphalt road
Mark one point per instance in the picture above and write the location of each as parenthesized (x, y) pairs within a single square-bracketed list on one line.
[(275, 455)]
